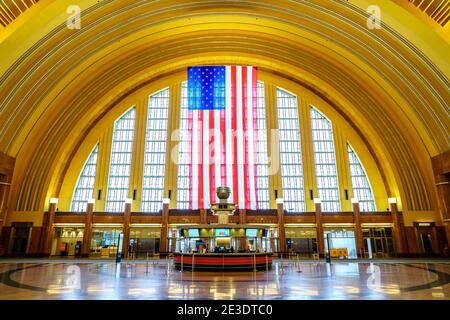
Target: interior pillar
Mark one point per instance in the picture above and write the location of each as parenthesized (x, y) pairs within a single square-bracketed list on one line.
[(242, 216), (49, 229), (319, 229), (126, 229), (6, 173), (203, 217), (281, 228), (441, 170), (397, 229), (164, 228), (87, 236), (358, 230)]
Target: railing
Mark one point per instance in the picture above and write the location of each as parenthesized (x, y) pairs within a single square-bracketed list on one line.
[(179, 212), (342, 213), (375, 213), (300, 214), (110, 214), (264, 212), (68, 213), (147, 214)]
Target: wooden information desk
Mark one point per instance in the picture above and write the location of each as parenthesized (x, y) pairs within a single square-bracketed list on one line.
[(223, 261)]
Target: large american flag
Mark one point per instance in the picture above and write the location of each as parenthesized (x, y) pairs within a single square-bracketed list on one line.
[(222, 134)]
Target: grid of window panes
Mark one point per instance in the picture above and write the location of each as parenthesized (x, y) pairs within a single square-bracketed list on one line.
[(325, 162), (85, 186), (155, 152), (261, 151), (360, 183), (290, 152), (120, 162), (183, 154)]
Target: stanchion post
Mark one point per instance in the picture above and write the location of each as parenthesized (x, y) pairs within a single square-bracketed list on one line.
[(254, 262), (181, 262), (267, 263), (193, 262), (146, 270)]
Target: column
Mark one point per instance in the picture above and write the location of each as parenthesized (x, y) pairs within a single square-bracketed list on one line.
[(4, 192), (447, 233), (87, 235), (203, 217), (165, 226), (49, 230), (358, 231), (441, 170), (281, 228), (6, 172), (396, 227), (126, 227), (319, 228), (242, 216)]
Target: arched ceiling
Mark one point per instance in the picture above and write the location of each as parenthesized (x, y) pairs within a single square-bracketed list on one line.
[(64, 83)]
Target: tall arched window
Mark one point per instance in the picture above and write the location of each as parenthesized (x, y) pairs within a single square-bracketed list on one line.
[(155, 152), (120, 162), (261, 151), (325, 162), (183, 191), (360, 183), (86, 181), (290, 152)]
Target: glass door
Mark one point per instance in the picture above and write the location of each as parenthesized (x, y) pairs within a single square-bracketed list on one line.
[(426, 243)]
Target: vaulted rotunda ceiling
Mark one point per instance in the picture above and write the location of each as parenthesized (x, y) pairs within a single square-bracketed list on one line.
[(56, 83)]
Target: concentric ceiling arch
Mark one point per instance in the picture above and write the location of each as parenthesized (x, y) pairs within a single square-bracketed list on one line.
[(65, 82)]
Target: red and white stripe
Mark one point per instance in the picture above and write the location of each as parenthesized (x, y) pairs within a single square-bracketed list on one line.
[(223, 143)]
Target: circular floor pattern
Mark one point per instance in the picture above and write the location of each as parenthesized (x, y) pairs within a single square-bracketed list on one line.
[(159, 280)]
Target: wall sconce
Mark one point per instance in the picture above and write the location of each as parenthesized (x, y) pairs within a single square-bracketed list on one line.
[(317, 201), (166, 200), (128, 201), (392, 200), (53, 200), (279, 201), (354, 200)]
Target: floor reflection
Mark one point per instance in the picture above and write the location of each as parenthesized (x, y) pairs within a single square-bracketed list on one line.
[(287, 280)]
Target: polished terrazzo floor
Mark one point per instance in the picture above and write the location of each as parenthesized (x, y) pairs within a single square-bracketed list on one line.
[(100, 280)]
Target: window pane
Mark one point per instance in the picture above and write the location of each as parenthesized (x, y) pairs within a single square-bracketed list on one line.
[(183, 190), (290, 152), (325, 162), (262, 180), (85, 186), (155, 152), (360, 183), (120, 162)]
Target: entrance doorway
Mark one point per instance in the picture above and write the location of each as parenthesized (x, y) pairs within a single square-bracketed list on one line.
[(21, 234), (427, 243), (378, 242), (342, 242)]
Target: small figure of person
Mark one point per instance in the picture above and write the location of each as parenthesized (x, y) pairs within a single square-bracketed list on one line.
[(446, 251), (232, 249)]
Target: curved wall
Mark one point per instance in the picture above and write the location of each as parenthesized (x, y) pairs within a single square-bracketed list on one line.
[(67, 81)]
